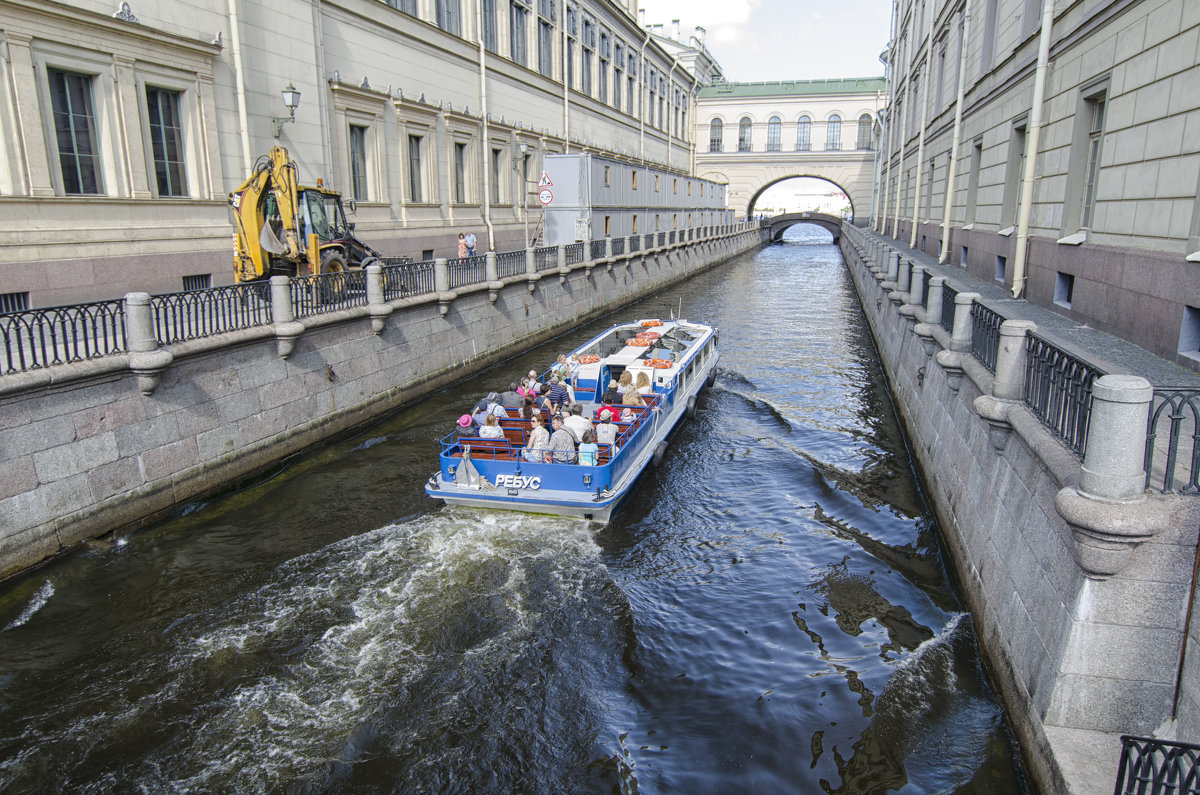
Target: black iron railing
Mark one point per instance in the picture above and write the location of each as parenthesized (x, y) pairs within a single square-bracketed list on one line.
[(465, 271), (213, 310), (38, 338), (1058, 390), (1157, 767), (925, 289), (948, 296), (662, 239), (1173, 440), (671, 237), (648, 240), (406, 279), (546, 258), (510, 263), (599, 249), (618, 246), (985, 335), (635, 243), (328, 292), (574, 253)]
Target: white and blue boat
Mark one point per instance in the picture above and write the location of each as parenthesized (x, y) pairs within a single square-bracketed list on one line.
[(680, 359)]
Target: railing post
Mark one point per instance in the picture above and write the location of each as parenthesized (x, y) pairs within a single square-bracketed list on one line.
[(562, 256), (491, 271), (531, 268), (608, 248), (147, 361), (1108, 512), (1008, 383), (376, 305), (916, 284), (933, 302), (441, 284), (951, 361), (284, 315)]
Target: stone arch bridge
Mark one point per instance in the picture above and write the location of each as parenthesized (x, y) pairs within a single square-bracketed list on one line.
[(779, 224)]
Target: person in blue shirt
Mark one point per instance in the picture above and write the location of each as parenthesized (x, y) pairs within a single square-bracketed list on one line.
[(588, 449)]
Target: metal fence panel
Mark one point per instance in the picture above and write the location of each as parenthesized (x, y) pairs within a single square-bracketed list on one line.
[(546, 258), (328, 292), (948, 296), (466, 271), (1058, 390), (1173, 440), (618, 246), (985, 335), (1157, 767), (406, 279), (38, 338), (598, 249), (193, 314), (574, 253)]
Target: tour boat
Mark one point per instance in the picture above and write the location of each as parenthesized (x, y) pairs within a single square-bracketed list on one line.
[(679, 358)]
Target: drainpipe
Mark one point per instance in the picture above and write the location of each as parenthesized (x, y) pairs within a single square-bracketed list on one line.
[(890, 132), (566, 85), (642, 97), (900, 171), (322, 85), (1031, 149), (960, 93), (486, 147), (912, 243), (235, 44)]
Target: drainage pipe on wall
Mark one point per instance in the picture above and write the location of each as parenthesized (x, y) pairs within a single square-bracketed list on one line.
[(900, 135), (890, 131), (1025, 208), (566, 84), (235, 44), (912, 241), (485, 147), (642, 96), (960, 94)]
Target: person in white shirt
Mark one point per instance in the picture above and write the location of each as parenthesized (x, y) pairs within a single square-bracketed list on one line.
[(491, 428), (576, 423), (606, 430)]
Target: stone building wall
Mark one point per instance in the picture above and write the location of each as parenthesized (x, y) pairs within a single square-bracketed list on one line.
[(85, 451)]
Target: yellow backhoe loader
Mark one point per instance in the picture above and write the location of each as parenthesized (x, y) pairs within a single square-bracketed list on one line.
[(284, 228)]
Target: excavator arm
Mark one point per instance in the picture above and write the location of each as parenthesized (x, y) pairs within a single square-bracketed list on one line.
[(266, 217)]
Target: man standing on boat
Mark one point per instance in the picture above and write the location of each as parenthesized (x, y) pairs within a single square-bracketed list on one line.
[(576, 423), (562, 443)]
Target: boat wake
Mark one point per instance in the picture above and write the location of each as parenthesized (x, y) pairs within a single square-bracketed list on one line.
[(36, 603)]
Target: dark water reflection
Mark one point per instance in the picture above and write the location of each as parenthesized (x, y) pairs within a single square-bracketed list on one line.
[(770, 613)]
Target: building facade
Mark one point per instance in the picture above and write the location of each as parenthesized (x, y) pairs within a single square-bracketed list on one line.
[(121, 134), (1054, 146)]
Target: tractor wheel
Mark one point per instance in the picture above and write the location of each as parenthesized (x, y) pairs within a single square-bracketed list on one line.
[(331, 287)]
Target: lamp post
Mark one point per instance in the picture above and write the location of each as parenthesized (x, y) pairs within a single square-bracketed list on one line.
[(291, 100)]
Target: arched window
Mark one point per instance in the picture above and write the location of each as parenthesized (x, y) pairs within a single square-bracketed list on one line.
[(864, 131), (774, 132), (744, 134), (833, 132), (716, 133), (803, 134)]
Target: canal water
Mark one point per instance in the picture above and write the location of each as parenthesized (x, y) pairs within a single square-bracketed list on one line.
[(770, 613)]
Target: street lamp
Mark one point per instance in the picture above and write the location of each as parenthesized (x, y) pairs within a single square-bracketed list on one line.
[(291, 99)]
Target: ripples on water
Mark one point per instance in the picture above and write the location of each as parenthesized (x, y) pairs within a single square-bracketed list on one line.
[(770, 612)]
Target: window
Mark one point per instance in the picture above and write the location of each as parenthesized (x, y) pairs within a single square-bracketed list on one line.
[(587, 52), (1012, 175), (804, 134), (1064, 289), (407, 6), (744, 134), (497, 172), (518, 16), (166, 141), (449, 15), (602, 75), (616, 83), (634, 180), (929, 191), (674, 186), (358, 162), (973, 178), (488, 12), (1095, 106), (200, 281), (14, 302), (75, 131), (630, 83), (547, 15), (1083, 167), (607, 225), (606, 176), (864, 132), (833, 132), (572, 27), (988, 41), (635, 224), (414, 169), (656, 183), (1001, 267), (460, 173), (774, 133)]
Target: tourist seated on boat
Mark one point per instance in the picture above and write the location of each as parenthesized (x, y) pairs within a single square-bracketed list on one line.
[(464, 427), (491, 428), (561, 448), (490, 406), (643, 384), (611, 395), (558, 395), (625, 384), (589, 451), (509, 398), (529, 407), (606, 429), (539, 441), (633, 398), (542, 401), (627, 414), (576, 423)]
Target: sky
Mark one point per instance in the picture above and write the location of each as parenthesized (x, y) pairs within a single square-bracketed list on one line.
[(784, 39)]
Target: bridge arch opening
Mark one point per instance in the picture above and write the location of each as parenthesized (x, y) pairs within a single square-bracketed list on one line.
[(801, 194)]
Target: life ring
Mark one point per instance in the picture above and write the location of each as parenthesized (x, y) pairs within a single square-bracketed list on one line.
[(658, 364), (651, 323), (589, 358), (649, 335), (638, 343)]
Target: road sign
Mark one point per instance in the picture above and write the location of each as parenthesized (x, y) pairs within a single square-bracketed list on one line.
[(545, 182), (546, 196)]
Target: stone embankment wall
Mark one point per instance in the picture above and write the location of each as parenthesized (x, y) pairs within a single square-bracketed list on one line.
[(1076, 578), (99, 445)]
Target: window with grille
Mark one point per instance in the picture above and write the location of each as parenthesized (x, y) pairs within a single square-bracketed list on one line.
[(75, 131), (414, 169), (774, 133), (497, 172), (833, 132), (166, 141), (460, 173), (744, 135), (1095, 107), (488, 12), (864, 132), (547, 17), (199, 281), (13, 302), (804, 134), (517, 21), (449, 16)]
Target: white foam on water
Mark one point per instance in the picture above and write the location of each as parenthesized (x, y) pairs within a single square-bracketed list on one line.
[(36, 603)]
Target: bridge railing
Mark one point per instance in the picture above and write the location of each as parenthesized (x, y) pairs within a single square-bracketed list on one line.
[(1150, 766), (985, 335), (1058, 390), (37, 338), (193, 314), (1173, 440)]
